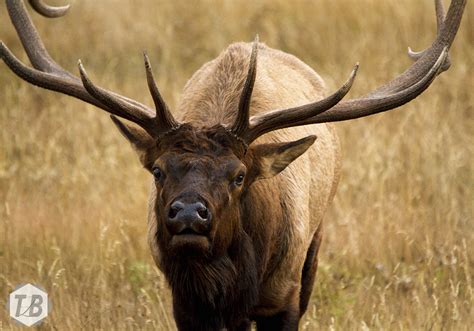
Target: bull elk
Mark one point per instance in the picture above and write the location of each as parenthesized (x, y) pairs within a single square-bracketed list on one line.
[(236, 237)]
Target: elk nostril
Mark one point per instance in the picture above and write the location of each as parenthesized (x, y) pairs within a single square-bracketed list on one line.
[(175, 208), (203, 212), (173, 212)]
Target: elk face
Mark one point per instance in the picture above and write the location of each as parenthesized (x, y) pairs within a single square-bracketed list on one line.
[(201, 177), (199, 182)]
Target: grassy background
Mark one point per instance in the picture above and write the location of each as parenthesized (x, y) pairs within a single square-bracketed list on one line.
[(397, 252)]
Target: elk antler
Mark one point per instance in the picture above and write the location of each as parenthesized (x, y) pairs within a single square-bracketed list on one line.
[(402, 89), (48, 74), (164, 120)]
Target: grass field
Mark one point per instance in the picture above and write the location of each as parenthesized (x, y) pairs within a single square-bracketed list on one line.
[(398, 247)]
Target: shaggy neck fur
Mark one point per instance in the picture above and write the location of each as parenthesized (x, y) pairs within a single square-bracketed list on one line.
[(219, 291)]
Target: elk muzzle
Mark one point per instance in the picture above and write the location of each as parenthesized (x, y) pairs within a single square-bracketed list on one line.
[(188, 217)]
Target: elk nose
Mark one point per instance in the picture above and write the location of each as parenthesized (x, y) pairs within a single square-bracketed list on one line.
[(188, 218)]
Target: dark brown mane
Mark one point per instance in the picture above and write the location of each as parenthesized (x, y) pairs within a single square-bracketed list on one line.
[(213, 291)]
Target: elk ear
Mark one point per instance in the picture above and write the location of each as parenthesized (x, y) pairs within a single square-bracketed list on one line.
[(271, 159), (142, 142)]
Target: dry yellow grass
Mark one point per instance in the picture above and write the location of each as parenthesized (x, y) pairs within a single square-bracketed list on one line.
[(398, 242)]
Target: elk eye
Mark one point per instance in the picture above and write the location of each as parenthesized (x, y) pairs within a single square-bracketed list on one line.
[(157, 173), (239, 179)]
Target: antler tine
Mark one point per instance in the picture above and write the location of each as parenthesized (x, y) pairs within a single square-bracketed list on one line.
[(163, 119), (440, 16), (50, 75), (121, 107), (241, 123), (49, 11), (283, 118)]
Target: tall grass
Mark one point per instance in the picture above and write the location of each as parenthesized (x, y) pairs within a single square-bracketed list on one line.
[(397, 252)]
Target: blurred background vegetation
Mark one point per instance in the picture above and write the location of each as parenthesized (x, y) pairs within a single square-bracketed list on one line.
[(397, 252)]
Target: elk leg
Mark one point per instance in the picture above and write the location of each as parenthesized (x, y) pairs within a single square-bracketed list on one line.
[(309, 269)]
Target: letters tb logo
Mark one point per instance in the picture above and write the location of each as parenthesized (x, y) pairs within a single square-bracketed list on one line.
[(28, 304)]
